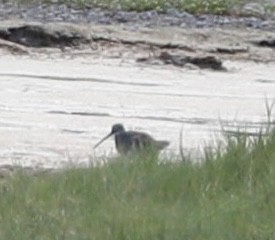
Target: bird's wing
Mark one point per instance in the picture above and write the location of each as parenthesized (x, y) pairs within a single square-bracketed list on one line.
[(141, 140), (140, 135)]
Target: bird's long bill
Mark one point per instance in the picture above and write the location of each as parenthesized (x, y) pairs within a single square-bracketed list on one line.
[(102, 140)]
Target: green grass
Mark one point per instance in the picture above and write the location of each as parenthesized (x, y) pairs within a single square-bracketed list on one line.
[(192, 6), (230, 195), (270, 9)]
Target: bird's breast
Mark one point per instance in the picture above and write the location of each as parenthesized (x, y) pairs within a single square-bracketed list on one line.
[(124, 143)]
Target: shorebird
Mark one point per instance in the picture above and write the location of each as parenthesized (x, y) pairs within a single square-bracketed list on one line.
[(132, 141)]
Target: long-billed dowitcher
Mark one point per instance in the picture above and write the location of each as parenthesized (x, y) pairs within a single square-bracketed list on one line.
[(132, 141)]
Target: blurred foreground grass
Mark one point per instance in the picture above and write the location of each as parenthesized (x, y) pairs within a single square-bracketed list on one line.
[(229, 195)]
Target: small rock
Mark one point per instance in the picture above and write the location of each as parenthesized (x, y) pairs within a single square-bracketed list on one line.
[(180, 60), (253, 22), (172, 12), (269, 42), (148, 15), (123, 17), (230, 49)]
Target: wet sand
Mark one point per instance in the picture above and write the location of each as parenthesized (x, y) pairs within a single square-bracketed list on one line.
[(52, 111)]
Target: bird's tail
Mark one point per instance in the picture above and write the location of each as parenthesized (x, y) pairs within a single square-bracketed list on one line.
[(162, 144)]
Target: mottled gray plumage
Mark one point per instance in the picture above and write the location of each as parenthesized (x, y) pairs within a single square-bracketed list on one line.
[(132, 141)]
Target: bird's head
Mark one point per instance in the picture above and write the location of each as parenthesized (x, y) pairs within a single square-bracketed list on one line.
[(116, 128)]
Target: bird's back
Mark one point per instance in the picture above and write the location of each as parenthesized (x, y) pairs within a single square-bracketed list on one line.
[(132, 141)]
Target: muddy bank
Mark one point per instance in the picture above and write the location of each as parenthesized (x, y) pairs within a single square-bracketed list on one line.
[(119, 41), (68, 25)]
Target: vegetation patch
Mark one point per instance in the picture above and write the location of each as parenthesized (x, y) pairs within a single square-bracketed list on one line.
[(271, 8), (192, 6), (229, 195)]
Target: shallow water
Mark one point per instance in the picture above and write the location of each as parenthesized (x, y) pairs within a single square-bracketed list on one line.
[(52, 111)]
